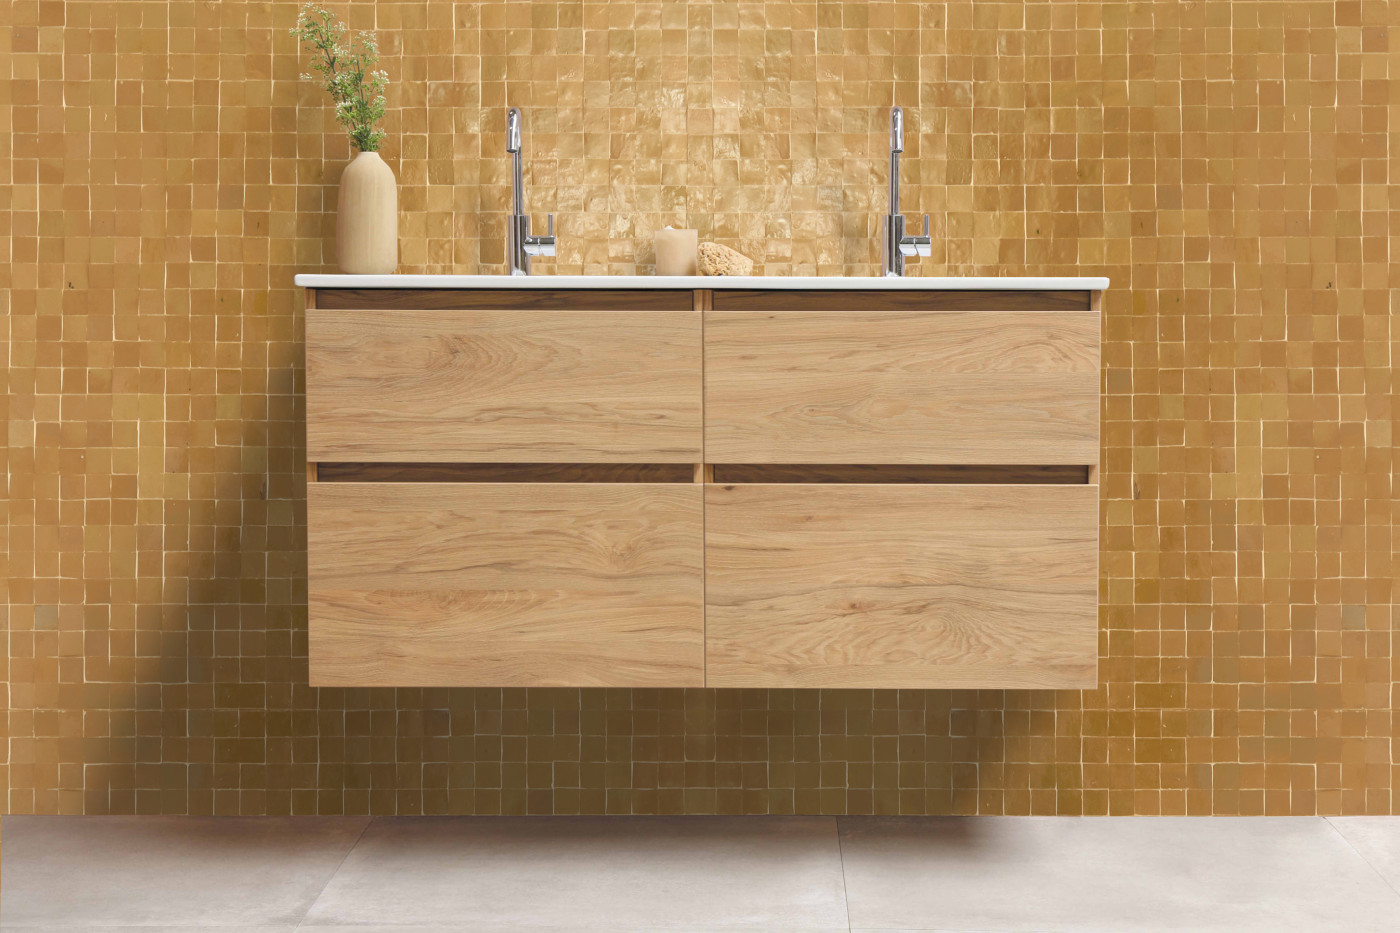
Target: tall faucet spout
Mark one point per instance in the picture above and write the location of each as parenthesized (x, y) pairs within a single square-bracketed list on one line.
[(513, 129), (896, 147), (521, 244), (514, 147), (895, 245)]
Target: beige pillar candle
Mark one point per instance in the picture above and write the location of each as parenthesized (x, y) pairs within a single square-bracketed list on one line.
[(675, 251)]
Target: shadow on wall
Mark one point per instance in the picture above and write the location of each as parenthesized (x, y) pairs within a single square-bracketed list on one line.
[(191, 696)]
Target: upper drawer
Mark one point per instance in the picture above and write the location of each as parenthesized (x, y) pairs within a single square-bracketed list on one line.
[(845, 385), (575, 386)]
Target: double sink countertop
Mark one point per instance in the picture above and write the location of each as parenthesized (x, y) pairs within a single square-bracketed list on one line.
[(747, 282)]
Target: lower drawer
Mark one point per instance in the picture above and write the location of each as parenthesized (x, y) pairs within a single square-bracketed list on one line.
[(920, 586), (522, 585)]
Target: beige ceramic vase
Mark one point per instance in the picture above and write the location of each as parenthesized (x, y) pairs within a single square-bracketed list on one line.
[(367, 218)]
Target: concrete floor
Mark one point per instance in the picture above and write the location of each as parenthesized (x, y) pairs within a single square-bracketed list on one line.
[(420, 874)]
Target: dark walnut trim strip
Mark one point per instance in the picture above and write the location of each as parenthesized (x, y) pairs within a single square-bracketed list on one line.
[(505, 473), (831, 300), (504, 299), (736, 473), (728, 474)]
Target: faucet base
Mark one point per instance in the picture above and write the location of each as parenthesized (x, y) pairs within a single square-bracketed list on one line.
[(896, 247), (891, 235)]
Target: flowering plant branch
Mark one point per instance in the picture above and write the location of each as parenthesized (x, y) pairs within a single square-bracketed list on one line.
[(347, 71)]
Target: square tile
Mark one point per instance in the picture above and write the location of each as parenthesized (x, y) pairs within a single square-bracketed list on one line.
[(167, 871), (1063, 874), (585, 873), (1376, 839)]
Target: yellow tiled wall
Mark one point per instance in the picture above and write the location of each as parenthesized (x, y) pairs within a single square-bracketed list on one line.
[(1226, 163)]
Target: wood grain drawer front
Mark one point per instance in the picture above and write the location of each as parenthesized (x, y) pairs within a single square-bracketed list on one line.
[(850, 386), (578, 585), (901, 586), (503, 386)]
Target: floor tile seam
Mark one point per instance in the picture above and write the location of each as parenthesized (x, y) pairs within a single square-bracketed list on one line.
[(841, 857), (301, 923), (1361, 855)]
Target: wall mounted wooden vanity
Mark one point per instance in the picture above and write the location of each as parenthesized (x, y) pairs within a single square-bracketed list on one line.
[(568, 482)]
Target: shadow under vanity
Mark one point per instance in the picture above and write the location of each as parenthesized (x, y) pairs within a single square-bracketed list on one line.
[(755, 483)]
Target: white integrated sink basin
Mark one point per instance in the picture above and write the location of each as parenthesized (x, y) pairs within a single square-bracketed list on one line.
[(813, 282)]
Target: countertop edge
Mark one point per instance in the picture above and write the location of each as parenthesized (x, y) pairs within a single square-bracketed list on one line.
[(759, 283)]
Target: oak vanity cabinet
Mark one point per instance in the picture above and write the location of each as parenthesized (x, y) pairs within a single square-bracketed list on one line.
[(728, 488)]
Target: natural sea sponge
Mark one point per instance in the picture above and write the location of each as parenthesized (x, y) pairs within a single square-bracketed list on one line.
[(714, 259)]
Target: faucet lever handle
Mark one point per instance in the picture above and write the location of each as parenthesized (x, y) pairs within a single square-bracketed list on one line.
[(924, 244), (551, 224)]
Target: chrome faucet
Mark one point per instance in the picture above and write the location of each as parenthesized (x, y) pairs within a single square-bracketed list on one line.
[(520, 244), (894, 245)]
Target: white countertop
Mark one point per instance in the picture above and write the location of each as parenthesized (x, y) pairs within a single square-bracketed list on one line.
[(978, 283)]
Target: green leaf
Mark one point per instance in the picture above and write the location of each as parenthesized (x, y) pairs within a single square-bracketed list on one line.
[(348, 73)]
